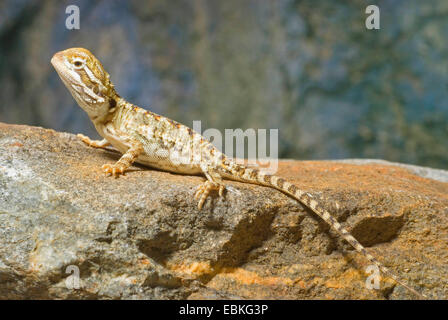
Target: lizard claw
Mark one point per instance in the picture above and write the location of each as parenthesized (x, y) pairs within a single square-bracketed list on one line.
[(112, 169), (203, 191)]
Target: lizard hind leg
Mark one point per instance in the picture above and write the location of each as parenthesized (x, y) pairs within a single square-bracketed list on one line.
[(211, 184)]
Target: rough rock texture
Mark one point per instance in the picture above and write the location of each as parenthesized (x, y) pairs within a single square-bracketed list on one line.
[(141, 236)]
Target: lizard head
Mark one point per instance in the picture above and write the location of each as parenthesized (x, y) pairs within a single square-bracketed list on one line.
[(87, 81)]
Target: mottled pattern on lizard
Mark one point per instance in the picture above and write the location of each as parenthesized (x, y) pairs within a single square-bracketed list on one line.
[(161, 143)]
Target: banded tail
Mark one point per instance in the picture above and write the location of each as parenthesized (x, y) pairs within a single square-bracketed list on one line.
[(255, 176)]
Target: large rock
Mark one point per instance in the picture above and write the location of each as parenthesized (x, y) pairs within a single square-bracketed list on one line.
[(141, 235)]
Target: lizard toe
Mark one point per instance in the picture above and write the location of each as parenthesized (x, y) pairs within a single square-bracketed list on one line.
[(113, 170), (204, 190)]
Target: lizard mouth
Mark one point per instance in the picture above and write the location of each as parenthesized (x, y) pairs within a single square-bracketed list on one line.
[(68, 78)]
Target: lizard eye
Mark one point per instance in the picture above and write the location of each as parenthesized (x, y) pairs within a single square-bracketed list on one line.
[(78, 64)]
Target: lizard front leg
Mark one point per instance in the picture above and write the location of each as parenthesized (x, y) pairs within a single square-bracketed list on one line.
[(214, 182), (93, 143), (125, 161)]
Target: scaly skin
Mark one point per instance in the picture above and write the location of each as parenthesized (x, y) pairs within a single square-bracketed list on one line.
[(161, 143)]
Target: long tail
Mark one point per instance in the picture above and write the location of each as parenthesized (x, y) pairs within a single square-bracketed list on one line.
[(255, 176)]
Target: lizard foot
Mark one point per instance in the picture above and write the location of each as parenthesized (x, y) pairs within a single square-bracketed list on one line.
[(113, 169), (203, 191)]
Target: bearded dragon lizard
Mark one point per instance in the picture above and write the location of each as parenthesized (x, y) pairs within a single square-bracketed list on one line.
[(158, 142)]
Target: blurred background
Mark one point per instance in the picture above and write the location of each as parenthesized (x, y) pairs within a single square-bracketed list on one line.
[(309, 68)]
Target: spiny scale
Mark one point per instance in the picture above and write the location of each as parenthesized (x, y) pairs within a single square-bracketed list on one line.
[(162, 143)]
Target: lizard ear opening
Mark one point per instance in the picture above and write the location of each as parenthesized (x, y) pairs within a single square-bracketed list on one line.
[(112, 103)]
